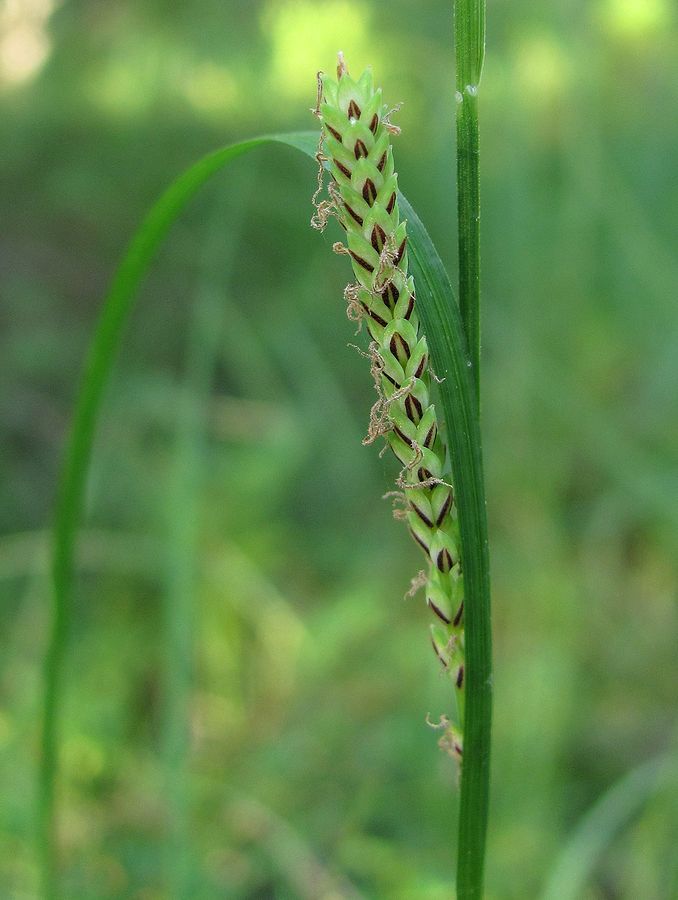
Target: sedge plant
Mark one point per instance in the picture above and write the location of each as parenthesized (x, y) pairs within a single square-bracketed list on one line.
[(356, 149), (390, 252)]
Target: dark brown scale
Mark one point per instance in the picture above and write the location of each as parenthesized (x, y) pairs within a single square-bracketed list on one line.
[(401, 251), (342, 168), (335, 134), (444, 510), (424, 474), (424, 518), (353, 214), (421, 367), (419, 541), (460, 676), (430, 438), (402, 435), (410, 307), (460, 613), (378, 238), (373, 315), (374, 124), (362, 262), (399, 348), (438, 612), (413, 409), (391, 203), (369, 192), (382, 162), (390, 295), (392, 380), (438, 654), (360, 150), (444, 561), (353, 110)]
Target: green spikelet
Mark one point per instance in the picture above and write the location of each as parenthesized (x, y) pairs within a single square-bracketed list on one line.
[(356, 149)]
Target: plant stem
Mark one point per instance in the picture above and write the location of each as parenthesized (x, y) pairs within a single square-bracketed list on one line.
[(53, 678), (469, 34), (442, 321), (469, 39)]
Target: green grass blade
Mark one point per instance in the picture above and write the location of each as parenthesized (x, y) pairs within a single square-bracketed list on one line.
[(116, 309), (469, 45), (445, 335), (443, 324), (602, 822)]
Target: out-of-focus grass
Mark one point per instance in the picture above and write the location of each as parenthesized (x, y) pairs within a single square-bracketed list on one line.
[(309, 758)]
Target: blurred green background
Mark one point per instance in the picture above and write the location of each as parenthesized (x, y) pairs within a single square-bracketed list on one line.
[(236, 562)]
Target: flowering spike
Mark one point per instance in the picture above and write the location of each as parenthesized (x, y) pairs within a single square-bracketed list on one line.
[(356, 149)]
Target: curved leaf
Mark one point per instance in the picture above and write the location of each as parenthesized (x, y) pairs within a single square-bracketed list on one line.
[(440, 315), (116, 309)]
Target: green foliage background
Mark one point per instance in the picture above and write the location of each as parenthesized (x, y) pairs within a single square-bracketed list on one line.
[(232, 504)]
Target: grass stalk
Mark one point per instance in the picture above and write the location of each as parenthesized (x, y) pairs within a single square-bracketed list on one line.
[(469, 41), (442, 321), (469, 35)]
